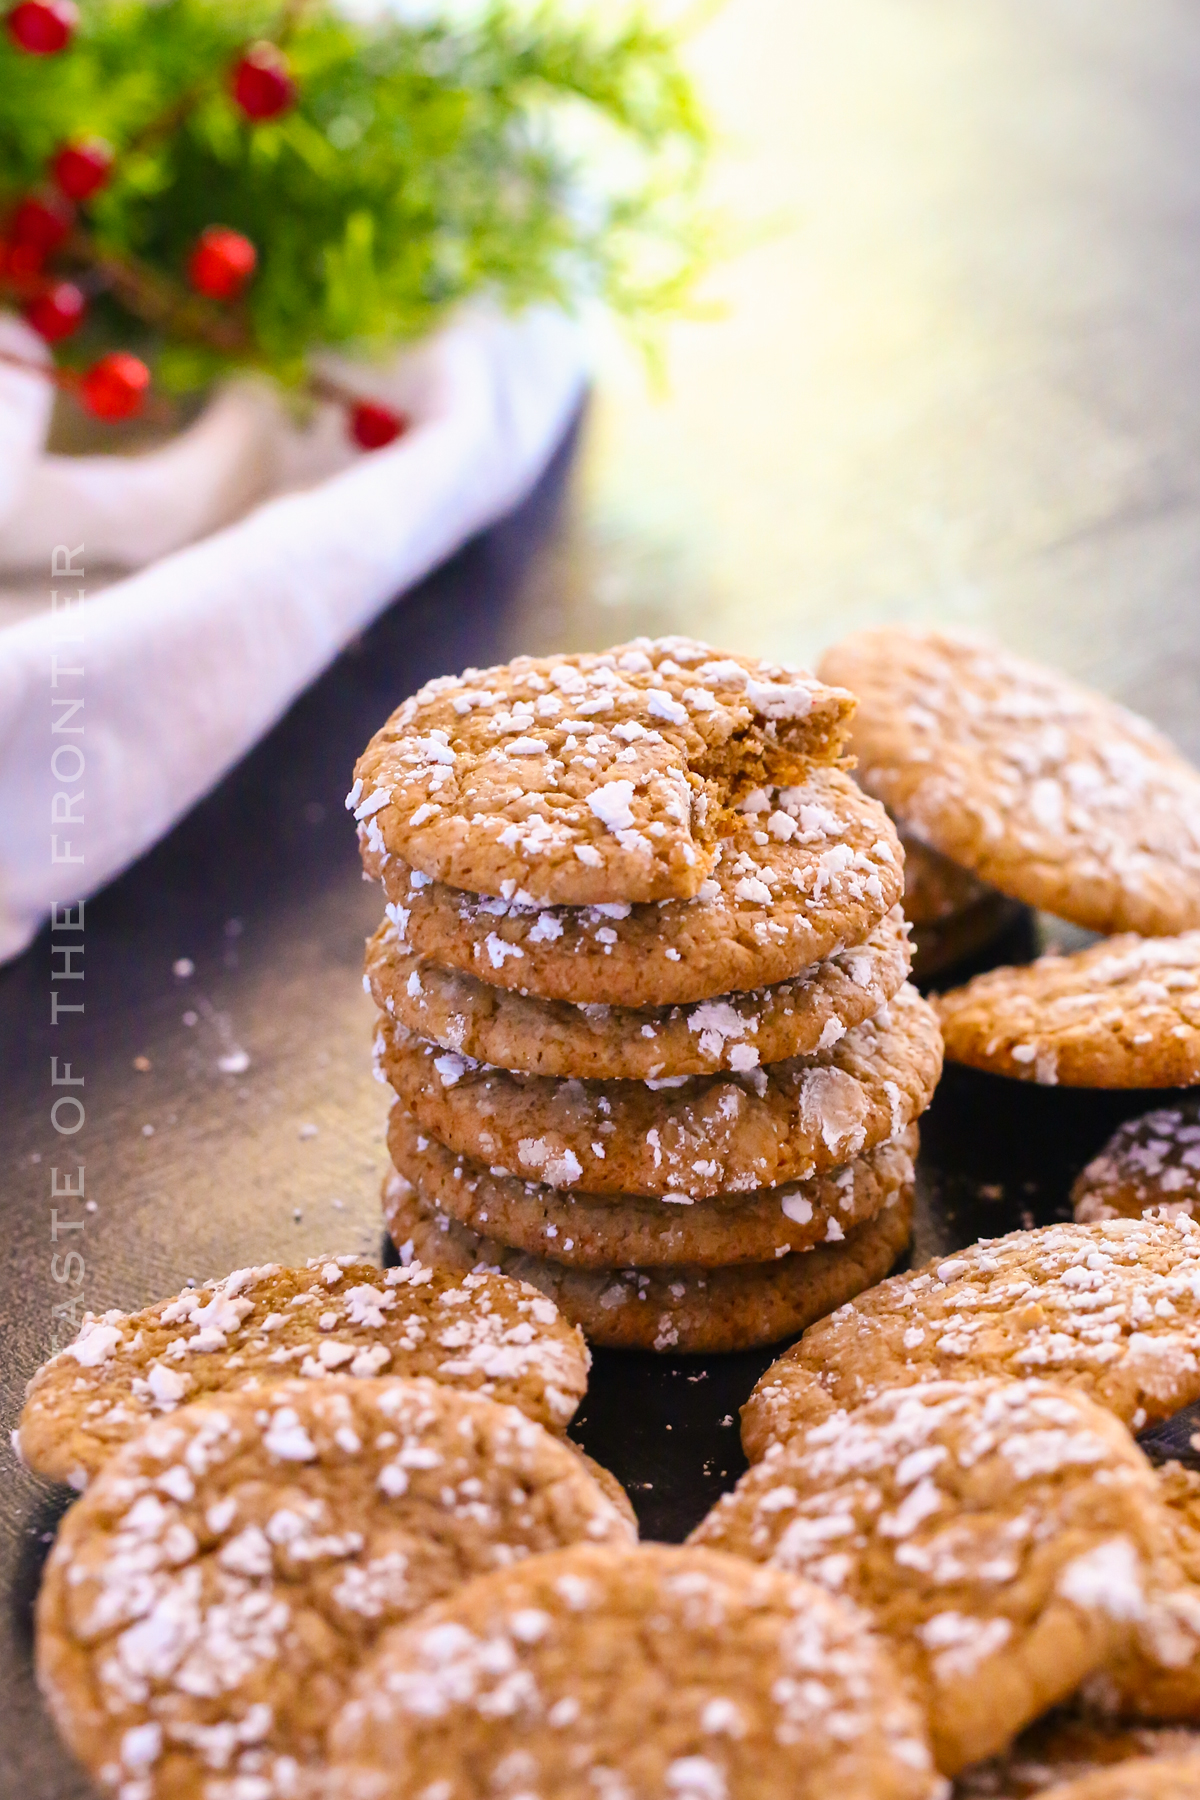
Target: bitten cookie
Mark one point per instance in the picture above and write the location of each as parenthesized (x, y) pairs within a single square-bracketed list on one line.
[(659, 1671), (686, 1310), (1110, 1310), (599, 1231), (1124, 1013), (208, 1600), (556, 1038), (999, 1534), (588, 779), (337, 1314), (1053, 794), (694, 1135), (806, 871), (1151, 1161)]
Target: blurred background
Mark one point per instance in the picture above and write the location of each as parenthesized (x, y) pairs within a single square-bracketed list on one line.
[(955, 378)]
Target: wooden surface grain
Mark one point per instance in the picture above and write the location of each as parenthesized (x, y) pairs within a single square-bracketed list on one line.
[(958, 380)]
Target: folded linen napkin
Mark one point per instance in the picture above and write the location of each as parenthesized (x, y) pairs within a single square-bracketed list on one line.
[(185, 664)]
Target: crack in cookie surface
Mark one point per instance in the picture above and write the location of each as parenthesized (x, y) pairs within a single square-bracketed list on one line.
[(696, 1136), (682, 1310), (1052, 793), (588, 779), (557, 1038), (605, 1230), (808, 871)]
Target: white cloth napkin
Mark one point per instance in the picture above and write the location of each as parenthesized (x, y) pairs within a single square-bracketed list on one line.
[(186, 663)]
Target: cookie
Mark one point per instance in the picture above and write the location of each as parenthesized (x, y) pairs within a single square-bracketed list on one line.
[(583, 780), (1124, 1013), (337, 1314), (1151, 1161), (1051, 793), (809, 871), (597, 1231), (1149, 1778), (1111, 1310), (608, 1484), (657, 1671), (1158, 1675), (208, 1600), (697, 1136), (936, 889), (1063, 1747), (685, 1310), (952, 913), (495, 1025), (999, 1534)]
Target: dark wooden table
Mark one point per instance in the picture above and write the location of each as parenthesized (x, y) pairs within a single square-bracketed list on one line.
[(1023, 454)]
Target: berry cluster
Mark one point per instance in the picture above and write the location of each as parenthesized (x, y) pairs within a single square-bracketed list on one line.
[(46, 225)]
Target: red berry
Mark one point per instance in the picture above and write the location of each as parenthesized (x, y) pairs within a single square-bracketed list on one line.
[(19, 262), (57, 312), (81, 170), (261, 84), (222, 263), (373, 426), (115, 387), (43, 27), (42, 223)]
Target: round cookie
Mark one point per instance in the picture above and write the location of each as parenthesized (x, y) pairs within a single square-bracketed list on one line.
[(1149, 1778), (999, 1534), (1052, 793), (808, 871), (656, 1671), (608, 1484), (556, 1038), (685, 1310), (697, 1136), (583, 780), (1124, 1013), (936, 889), (208, 1600), (952, 913), (1158, 1674), (1111, 1310), (1151, 1161), (937, 948), (597, 1231), (337, 1313), (1063, 1747)]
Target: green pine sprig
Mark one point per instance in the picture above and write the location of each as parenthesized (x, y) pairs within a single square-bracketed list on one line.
[(533, 154)]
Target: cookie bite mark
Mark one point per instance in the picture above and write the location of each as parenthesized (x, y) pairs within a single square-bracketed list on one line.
[(810, 871), (585, 780)]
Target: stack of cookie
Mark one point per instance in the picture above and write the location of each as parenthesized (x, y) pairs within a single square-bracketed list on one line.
[(642, 986)]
